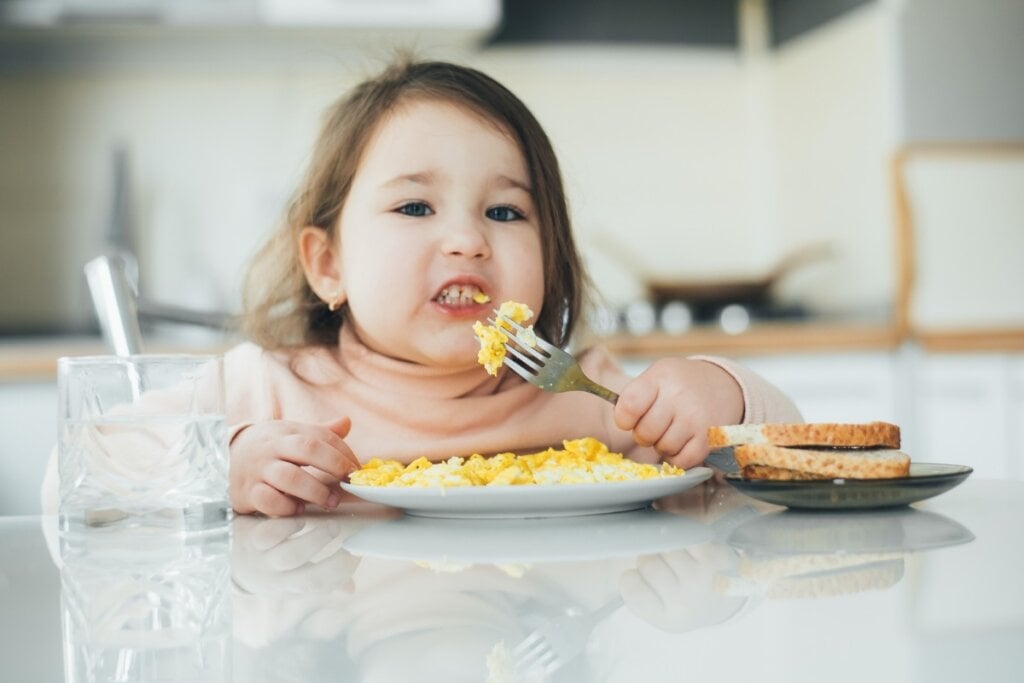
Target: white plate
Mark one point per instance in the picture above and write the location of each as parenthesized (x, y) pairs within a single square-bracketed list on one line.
[(542, 500), (556, 539)]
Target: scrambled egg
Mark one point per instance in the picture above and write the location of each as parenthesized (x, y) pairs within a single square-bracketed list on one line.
[(492, 338), (481, 298), (585, 460)]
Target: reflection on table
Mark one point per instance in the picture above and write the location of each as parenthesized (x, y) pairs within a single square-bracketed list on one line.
[(468, 599), (367, 594), (145, 606)]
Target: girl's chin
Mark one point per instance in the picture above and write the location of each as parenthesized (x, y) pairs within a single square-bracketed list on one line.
[(459, 362), (444, 349), (449, 357), (437, 360)]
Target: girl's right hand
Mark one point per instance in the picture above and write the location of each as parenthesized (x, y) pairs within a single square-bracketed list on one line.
[(270, 464)]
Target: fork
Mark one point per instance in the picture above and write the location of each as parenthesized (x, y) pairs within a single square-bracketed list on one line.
[(545, 365), (555, 642)]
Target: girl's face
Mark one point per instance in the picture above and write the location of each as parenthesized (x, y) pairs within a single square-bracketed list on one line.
[(439, 210)]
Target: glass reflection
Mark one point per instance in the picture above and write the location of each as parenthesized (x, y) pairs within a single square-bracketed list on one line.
[(146, 606)]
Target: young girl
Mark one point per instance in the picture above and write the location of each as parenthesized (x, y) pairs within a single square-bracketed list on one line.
[(430, 185)]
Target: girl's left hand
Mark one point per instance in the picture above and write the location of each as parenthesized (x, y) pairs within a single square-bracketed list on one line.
[(671, 404)]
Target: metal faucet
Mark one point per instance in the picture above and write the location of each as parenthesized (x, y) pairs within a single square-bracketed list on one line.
[(114, 301), (114, 289)]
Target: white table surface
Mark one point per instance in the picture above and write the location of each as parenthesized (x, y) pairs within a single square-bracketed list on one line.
[(714, 586)]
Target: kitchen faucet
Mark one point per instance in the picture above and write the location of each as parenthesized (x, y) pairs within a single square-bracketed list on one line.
[(113, 285)]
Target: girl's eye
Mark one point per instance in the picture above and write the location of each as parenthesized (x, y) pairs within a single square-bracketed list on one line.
[(415, 209), (504, 213)]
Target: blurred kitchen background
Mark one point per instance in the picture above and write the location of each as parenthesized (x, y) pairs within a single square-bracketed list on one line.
[(830, 191)]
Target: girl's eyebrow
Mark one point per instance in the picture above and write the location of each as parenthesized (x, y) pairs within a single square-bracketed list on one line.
[(504, 181), (420, 178), (429, 177)]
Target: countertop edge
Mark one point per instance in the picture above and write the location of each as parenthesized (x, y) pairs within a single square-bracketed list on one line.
[(37, 361)]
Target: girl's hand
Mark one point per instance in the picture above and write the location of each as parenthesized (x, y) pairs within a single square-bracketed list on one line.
[(671, 404), (269, 462)]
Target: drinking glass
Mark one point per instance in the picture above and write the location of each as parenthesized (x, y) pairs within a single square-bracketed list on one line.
[(142, 442)]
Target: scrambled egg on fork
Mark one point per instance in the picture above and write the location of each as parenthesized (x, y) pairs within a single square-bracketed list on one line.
[(492, 337), (585, 460)]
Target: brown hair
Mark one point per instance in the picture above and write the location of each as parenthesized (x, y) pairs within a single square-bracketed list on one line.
[(281, 310)]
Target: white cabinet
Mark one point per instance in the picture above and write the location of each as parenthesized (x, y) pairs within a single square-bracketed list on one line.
[(846, 387), (969, 408), (28, 424)]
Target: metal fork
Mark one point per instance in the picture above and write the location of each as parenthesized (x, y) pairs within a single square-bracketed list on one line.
[(546, 365)]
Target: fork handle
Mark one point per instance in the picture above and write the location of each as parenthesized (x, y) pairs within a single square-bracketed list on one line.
[(605, 393)]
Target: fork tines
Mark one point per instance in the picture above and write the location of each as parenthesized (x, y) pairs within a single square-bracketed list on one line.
[(531, 359), (535, 655), (542, 347)]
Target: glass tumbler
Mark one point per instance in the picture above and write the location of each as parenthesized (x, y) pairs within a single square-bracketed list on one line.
[(142, 441)]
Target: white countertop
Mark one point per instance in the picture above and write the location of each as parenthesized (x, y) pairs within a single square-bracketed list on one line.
[(713, 586)]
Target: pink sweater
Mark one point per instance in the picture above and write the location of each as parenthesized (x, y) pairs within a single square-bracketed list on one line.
[(403, 411)]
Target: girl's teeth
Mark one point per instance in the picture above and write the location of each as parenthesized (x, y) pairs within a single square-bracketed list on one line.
[(458, 294)]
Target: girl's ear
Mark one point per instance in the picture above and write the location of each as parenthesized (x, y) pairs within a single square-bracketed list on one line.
[(320, 263)]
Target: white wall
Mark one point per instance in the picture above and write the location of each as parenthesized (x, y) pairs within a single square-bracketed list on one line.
[(834, 115), (694, 161), (653, 149), (651, 141)]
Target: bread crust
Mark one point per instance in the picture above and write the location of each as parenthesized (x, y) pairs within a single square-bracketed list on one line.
[(779, 474), (821, 434), (773, 462)]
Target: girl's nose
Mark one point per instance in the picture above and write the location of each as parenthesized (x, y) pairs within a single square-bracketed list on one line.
[(466, 238)]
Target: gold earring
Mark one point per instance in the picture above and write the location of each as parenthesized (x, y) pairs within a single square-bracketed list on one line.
[(335, 303)]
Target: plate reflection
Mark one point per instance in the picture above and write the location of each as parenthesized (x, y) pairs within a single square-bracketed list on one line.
[(801, 554)]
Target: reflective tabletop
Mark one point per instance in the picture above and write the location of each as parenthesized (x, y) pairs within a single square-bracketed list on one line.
[(709, 585)]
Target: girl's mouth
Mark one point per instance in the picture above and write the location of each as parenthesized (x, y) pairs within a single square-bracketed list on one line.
[(461, 295)]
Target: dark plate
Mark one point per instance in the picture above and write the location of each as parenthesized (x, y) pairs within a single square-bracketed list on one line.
[(924, 481)]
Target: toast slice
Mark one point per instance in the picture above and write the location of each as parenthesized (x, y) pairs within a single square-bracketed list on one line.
[(758, 461), (818, 435)]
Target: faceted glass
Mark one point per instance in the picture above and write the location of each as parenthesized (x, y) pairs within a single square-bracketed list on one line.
[(142, 442)]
